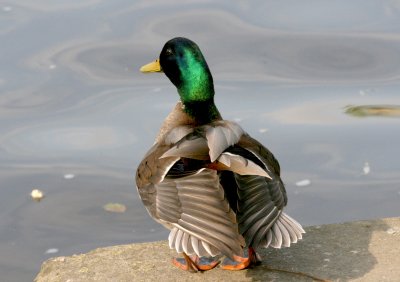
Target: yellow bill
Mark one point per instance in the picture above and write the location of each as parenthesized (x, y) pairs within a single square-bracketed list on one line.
[(152, 67)]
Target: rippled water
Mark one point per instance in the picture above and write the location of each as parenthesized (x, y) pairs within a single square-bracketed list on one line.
[(316, 81)]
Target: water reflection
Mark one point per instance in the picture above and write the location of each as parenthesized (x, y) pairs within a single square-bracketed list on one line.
[(76, 115), (284, 57), (61, 141)]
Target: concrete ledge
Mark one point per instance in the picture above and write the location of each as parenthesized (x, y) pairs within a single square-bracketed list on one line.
[(356, 251)]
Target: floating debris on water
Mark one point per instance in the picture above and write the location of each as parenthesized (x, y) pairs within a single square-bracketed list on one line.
[(237, 119), (37, 195), (263, 130), (69, 176), (302, 183), (52, 66), (114, 207), (51, 251), (366, 168), (373, 110)]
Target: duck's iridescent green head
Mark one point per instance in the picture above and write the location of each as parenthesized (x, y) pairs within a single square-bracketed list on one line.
[(183, 63)]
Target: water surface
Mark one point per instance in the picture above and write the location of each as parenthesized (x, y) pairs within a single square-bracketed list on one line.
[(72, 102)]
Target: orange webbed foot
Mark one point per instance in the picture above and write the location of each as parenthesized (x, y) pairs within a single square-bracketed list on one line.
[(195, 263), (239, 263)]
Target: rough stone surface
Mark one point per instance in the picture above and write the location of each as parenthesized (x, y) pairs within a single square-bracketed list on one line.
[(355, 251)]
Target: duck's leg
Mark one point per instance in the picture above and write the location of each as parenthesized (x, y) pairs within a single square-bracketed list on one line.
[(194, 263), (240, 263)]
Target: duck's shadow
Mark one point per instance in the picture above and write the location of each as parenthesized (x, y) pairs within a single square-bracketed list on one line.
[(331, 252)]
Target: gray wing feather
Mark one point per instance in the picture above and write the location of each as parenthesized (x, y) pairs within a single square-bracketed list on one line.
[(195, 148), (285, 234), (277, 236), (241, 165), (220, 136), (171, 237), (210, 249), (178, 241), (217, 142), (177, 134)]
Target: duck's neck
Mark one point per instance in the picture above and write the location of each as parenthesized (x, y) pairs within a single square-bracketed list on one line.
[(201, 111), (196, 91)]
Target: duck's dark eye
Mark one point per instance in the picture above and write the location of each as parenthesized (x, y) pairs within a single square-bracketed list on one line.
[(168, 52)]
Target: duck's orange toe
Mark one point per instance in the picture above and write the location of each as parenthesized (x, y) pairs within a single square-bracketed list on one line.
[(239, 263)]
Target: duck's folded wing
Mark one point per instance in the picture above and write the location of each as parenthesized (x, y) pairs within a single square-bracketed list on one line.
[(194, 207), (202, 221), (261, 201)]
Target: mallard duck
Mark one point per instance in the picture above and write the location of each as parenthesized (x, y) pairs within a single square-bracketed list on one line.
[(213, 186)]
